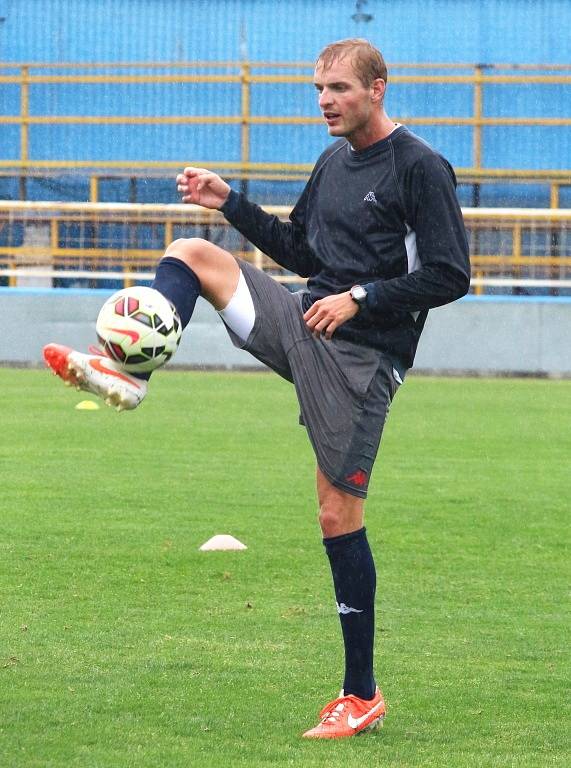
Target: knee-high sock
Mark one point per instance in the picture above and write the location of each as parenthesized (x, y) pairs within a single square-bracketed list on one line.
[(179, 284), (354, 579)]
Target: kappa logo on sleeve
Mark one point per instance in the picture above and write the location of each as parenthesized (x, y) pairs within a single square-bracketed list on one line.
[(370, 197)]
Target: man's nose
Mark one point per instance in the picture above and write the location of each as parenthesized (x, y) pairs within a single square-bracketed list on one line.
[(324, 98)]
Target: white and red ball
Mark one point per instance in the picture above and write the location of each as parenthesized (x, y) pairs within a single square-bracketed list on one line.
[(139, 328)]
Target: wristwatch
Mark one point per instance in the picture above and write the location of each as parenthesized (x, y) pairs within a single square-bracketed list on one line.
[(359, 295)]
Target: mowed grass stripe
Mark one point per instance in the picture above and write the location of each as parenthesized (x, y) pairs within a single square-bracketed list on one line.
[(123, 645)]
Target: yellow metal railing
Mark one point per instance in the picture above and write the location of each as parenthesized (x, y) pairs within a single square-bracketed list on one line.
[(123, 242), (246, 76)]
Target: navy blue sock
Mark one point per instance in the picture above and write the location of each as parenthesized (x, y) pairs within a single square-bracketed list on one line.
[(180, 285), (355, 579)]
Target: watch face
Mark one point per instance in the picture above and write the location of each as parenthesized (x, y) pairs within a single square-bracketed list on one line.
[(359, 294)]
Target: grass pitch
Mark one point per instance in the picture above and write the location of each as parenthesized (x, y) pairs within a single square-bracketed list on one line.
[(123, 645)]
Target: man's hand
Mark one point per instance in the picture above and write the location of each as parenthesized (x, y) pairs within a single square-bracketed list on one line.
[(326, 315), (202, 187)]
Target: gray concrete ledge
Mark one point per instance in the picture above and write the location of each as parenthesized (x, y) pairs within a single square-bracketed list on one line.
[(478, 336)]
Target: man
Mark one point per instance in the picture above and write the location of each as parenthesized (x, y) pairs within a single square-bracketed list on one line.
[(379, 234)]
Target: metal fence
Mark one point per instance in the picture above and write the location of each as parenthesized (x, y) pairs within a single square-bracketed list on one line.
[(109, 245), (256, 120)]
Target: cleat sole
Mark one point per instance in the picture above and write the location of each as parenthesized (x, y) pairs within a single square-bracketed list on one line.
[(374, 726)]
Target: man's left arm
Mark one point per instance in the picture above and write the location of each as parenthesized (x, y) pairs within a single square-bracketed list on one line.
[(434, 214), (444, 273)]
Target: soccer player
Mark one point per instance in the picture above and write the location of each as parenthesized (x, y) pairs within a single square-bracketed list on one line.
[(379, 234)]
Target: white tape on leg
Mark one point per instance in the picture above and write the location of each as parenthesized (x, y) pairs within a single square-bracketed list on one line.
[(239, 314)]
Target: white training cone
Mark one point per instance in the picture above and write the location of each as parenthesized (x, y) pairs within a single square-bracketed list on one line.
[(220, 542)]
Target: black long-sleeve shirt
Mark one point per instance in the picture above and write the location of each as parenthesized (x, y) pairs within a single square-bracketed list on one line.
[(386, 217)]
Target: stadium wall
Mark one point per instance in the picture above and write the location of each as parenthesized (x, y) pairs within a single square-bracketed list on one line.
[(491, 31), (480, 335), (518, 32)]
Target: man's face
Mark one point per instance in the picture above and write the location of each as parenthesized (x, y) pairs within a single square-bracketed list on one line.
[(347, 105)]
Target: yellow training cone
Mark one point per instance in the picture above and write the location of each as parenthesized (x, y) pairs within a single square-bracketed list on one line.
[(87, 405)]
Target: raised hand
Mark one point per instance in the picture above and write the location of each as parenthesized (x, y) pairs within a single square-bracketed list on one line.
[(202, 187)]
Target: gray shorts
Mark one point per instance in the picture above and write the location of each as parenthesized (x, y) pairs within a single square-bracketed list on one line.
[(344, 390)]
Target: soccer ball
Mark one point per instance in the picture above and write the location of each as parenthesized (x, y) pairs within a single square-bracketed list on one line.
[(139, 328)]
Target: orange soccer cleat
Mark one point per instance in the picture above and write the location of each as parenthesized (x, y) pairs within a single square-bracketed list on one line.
[(97, 374), (348, 716)]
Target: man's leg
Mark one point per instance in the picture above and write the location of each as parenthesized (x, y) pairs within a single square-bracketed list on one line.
[(189, 268), (360, 706), (208, 270), (340, 513), (341, 517)]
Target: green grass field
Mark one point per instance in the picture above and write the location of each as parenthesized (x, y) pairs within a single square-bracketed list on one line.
[(123, 645)]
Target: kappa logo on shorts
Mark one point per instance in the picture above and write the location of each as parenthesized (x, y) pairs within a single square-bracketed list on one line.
[(359, 477), (370, 197)]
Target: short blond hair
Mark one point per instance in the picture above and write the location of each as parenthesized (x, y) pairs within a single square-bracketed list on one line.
[(367, 61)]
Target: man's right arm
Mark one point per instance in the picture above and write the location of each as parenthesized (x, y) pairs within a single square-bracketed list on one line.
[(283, 241)]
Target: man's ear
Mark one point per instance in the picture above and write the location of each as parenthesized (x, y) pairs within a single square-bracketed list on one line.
[(378, 87)]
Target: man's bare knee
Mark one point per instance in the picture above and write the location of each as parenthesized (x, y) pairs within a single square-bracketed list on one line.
[(329, 522), (340, 515), (339, 512), (216, 268), (188, 249)]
